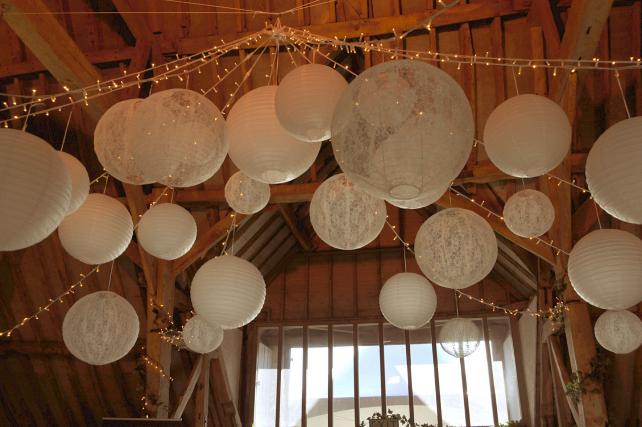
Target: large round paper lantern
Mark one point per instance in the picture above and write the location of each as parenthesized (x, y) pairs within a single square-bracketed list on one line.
[(200, 336), (306, 99), (100, 328), (529, 213), (527, 136), (605, 269), (456, 248), (35, 189), (420, 202), (246, 195), (113, 146), (613, 172), (402, 130), (178, 136), (98, 232), (228, 291), (459, 337), (619, 331), (344, 216), (259, 146), (166, 231), (407, 300), (79, 181)]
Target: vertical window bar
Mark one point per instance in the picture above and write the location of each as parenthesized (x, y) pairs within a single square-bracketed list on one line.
[(433, 336), (382, 368), (490, 371), (465, 388), (304, 404), (355, 344), (411, 396), (330, 391), (278, 377)]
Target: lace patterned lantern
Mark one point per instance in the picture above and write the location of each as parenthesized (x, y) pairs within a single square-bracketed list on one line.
[(100, 328), (456, 248), (35, 189), (619, 331), (344, 216), (201, 336), (246, 195), (79, 181), (259, 146), (605, 268), (402, 130), (306, 99), (459, 337), (166, 231), (529, 213), (407, 300), (527, 136), (420, 202)]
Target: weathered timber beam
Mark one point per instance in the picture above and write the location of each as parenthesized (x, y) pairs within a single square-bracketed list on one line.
[(291, 221), (136, 22)]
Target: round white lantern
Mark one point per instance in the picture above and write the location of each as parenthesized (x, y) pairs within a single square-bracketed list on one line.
[(529, 213), (113, 147), (246, 195), (402, 130), (456, 248), (527, 136), (605, 269), (100, 328), (200, 336), (259, 146), (420, 202), (619, 331), (98, 232), (459, 337), (35, 189), (178, 136), (344, 216), (407, 300), (613, 173), (228, 291), (306, 99), (79, 181), (166, 231)]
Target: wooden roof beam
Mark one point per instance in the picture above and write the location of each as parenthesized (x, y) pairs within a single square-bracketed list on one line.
[(136, 22)]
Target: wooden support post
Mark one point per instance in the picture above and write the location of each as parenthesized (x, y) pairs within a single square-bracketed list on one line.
[(189, 389), (202, 394)]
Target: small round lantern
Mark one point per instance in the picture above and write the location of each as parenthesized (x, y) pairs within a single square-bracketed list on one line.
[(459, 337), (79, 181), (619, 331), (529, 213), (200, 336), (246, 195), (166, 231), (407, 300)]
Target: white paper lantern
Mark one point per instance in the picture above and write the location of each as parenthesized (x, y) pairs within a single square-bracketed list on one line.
[(605, 269), (613, 172), (98, 232), (456, 248), (178, 136), (619, 331), (100, 328), (527, 136), (113, 146), (306, 99), (200, 336), (459, 337), (402, 130), (79, 181), (344, 216), (246, 195), (228, 291), (259, 146), (407, 300), (420, 202), (35, 190), (529, 213), (166, 231)]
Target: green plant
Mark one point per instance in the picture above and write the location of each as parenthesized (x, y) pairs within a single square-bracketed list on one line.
[(581, 383), (403, 420), (513, 423)]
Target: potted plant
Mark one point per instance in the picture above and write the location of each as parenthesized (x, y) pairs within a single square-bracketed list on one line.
[(391, 420)]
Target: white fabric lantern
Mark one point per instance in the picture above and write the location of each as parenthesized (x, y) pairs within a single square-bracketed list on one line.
[(166, 231), (113, 146), (306, 99), (79, 181), (456, 248), (228, 291), (402, 130), (613, 171), (259, 146), (246, 195), (619, 331), (100, 328), (420, 202), (35, 189), (529, 213), (459, 337), (178, 136), (605, 269), (200, 336), (527, 136), (98, 232), (344, 216), (407, 300)]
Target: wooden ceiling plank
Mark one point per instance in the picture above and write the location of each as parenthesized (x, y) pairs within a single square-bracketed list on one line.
[(136, 22), (292, 222)]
